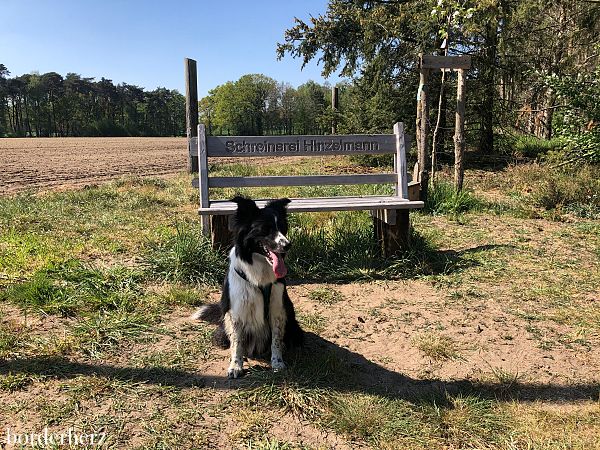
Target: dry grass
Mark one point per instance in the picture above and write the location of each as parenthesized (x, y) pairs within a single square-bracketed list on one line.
[(484, 337)]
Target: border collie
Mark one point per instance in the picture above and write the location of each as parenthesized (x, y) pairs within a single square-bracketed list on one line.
[(255, 309)]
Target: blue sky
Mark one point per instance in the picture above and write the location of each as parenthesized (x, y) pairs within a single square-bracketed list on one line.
[(145, 42)]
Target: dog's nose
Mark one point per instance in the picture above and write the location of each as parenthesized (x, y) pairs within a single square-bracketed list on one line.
[(286, 246)]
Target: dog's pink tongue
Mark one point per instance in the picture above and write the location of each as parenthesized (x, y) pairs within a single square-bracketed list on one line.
[(278, 265)]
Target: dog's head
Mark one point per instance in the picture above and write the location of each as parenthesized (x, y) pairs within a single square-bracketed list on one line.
[(262, 231)]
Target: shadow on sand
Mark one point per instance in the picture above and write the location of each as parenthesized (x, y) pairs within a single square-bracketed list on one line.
[(319, 363)]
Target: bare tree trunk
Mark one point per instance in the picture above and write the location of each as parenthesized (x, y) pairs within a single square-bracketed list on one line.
[(436, 131), (423, 131), (459, 133)]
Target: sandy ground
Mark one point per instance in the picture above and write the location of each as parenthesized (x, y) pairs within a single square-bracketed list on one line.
[(44, 163)]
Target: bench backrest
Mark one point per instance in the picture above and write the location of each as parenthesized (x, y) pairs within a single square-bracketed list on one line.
[(274, 146)]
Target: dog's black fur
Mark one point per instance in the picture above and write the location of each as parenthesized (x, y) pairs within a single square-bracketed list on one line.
[(254, 232)]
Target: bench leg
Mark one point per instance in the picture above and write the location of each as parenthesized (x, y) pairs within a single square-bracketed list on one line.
[(391, 238), (221, 236)]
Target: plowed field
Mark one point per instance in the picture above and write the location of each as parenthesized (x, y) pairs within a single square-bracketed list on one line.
[(51, 163)]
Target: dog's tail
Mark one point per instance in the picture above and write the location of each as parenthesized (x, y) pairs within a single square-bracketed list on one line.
[(210, 313)]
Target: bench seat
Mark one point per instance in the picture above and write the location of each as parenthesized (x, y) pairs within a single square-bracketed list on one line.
[(225, 207)]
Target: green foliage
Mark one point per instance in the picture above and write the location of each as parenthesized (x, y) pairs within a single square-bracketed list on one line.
[(580, 123), (186, 256), (257, 105), (533, 147)]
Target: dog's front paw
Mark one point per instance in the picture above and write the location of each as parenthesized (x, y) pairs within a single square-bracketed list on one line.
[(235, 370), (277, 364)]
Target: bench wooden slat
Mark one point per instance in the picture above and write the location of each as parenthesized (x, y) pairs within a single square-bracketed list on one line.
[(224, 207), (302, 180), (301, 145)]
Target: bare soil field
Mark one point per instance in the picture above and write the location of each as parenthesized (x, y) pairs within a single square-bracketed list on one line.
[(67, 162)]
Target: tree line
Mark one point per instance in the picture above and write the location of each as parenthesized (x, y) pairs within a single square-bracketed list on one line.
[(259, 105), (35, 105)]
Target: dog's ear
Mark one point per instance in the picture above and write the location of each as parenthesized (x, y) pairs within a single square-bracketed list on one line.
[(279, 205), (246, 209)]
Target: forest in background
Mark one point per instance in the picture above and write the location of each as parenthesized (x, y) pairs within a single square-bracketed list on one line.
[(49, 104), (536, 67)]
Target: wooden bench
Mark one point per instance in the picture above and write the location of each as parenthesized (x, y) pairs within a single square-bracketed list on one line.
[(390, 213)]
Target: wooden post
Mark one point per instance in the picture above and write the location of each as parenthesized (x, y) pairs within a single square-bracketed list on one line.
[(423, 127), (221, 235), (459, 132), (400, 161), (392, 226), (392, 231), (191, 110), (335, 104), (203, 178)]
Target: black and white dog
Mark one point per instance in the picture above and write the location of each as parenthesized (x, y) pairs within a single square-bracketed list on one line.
[(255, 309)]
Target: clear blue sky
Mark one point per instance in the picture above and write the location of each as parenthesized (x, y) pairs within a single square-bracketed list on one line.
[(144, 42)]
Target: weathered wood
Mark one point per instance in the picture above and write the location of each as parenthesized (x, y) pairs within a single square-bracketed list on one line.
[(414, 190), (459, 132), (391, 238), (335, 104), (203, 177), (221, 207), (191, 110), (221, 236), (400, 161), (302, 180), (269, 146), (422, 150), (445, 62), (193, 144), (436, 130)]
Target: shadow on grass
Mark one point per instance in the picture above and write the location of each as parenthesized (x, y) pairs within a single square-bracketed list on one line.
[(361, 262), (319, 364)]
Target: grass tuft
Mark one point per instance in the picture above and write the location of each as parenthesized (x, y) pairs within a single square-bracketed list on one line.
[(12, 382), (325, 295), (185, 257), (442, 198), (105, 331), (472, 422), (437, 346)]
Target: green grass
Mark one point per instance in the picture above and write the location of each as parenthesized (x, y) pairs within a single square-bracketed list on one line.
[(70, 287), (185, 256), (533, 147), (103, 332), (105, 276), (442, 198)]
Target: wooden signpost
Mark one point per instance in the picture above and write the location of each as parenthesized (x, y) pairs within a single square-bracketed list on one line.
[(427, 63)]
